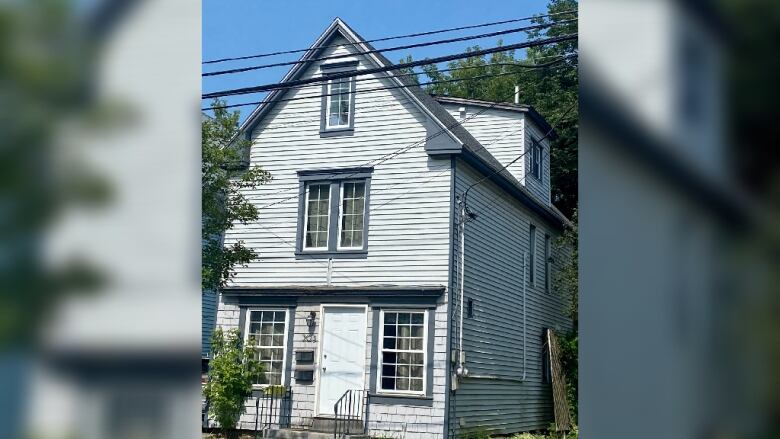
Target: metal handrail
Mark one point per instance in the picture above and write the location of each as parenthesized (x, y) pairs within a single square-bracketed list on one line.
[(352, 406), (275, 410)]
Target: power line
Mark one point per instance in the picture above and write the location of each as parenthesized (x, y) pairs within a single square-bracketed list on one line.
[(397, 37), (437, 60), (389, 49), (446, 81), (513, 161), (413, 73), (396, 152)]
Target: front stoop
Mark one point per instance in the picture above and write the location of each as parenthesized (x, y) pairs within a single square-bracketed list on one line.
[(326, 425), (321, 428), (287, 433)]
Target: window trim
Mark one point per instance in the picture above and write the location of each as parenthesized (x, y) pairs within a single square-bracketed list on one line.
[(334, 177), (328, 70), (307, 190), (380, 350), (341, 214), (329, 102), (547, 265), (537, 155), (248, 321)]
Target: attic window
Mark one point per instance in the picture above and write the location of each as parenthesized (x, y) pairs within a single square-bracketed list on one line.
[(338, 99), (338, 103), (536, 159)]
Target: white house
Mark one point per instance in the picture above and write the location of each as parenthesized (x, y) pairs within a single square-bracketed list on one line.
[(355, 299)]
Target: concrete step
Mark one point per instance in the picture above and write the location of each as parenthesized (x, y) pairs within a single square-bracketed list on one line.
[(326, 425), (286, 433)]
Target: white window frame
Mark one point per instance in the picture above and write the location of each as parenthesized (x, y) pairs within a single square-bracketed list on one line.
[(329, 99), (306, 214), (341, 212), (248, 321), (536, 159), (381, 348), (547, 265)]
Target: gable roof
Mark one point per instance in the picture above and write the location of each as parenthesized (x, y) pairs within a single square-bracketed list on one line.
[(471, 150)]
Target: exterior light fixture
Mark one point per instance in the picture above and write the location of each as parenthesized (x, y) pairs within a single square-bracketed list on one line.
[(311, 319)]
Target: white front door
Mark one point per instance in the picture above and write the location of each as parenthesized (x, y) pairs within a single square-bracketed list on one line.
[(343, 359)]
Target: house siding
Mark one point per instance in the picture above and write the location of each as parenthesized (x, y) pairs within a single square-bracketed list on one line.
[(494, 247), (499, 131), (386, 417), (539, 188), (409, 218)]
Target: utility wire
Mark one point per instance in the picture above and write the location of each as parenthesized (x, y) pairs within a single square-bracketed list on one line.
[(397, 37), (398, 151), (389, 49), (446, 81), (465, 193), (414, 73), (437, 60)]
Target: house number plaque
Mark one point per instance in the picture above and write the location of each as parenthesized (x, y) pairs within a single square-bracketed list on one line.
[(310, 338)]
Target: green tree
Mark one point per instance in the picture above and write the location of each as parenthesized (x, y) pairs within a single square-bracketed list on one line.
[(552, 90), (223, 176), (232, 371), (566, 284)]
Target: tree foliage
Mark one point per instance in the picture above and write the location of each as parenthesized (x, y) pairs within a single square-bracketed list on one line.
[(232, 371), (223, 203), (551, 90), (566, 279)]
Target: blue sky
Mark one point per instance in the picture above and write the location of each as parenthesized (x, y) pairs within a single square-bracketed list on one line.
[(242, 27)]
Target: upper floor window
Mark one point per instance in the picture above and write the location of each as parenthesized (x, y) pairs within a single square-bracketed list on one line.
[(547, 261), (536, 159), (353, 210), (333, 215), (317, 215), (338, 99)]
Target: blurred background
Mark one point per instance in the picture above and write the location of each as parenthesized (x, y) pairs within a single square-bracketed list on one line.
[(679, 197), (679, 327), (99, 258)]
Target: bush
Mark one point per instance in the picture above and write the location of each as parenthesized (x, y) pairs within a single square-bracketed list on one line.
[(232, 372)]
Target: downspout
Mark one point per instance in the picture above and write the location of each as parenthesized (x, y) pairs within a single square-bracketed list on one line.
[(525, 355), (461, 369)]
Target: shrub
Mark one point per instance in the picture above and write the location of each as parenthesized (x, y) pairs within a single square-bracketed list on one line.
[(232, 371)]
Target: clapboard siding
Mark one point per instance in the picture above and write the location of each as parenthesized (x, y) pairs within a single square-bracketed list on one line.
[(495, 243), (540, 188), (507, 134), (408, 237), (499, 131)]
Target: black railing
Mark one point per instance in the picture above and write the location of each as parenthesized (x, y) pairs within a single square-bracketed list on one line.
[(273, 408), (350, 413)]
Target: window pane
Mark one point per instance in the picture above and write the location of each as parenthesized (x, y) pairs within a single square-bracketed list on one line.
[(317, 216), (352, 213), (339, 98), (269, 327)]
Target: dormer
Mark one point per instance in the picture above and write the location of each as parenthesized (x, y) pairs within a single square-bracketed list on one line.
[(509, 131)]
